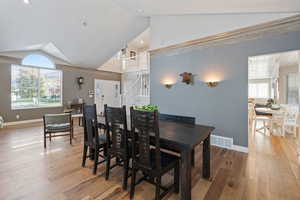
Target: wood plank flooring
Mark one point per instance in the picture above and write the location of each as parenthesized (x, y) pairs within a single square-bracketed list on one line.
[(27, 171)]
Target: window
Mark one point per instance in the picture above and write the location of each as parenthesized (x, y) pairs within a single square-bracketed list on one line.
[(260, 73), (38, 61), (292, 88), (35, 87), (259, 89)]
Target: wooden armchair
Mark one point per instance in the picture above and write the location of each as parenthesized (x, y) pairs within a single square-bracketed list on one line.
[(55, 124)]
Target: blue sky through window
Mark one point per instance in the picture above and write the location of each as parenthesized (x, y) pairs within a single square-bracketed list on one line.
[(38, 60)]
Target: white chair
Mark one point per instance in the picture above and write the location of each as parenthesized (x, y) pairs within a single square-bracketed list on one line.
[(290, 120), (277, 122), (250, 114), (266, 120)]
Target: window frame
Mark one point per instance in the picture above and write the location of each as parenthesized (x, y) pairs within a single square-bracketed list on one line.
[(258, 81), (38, 106), (287, 87)]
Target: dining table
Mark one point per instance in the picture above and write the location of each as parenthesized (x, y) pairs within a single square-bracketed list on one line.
[(183, 138), (270, 110)]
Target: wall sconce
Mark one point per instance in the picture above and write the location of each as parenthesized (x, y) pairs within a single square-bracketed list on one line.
[(80, 81), (168, 85), (212, 83)]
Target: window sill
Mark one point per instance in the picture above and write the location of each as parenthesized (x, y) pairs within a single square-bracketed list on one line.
[(39, 107)]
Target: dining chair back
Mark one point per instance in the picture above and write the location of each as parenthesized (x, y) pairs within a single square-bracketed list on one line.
[(291, 116), (116, 123), (150, 160), (93, 141), (117, 133), (145, 123), (91, 134), (177, 118), (78, 110), (265, 118), (290, 120)]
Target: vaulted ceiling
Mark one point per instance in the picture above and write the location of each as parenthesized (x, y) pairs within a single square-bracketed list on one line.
[(87, 33), (181, 7), (82, 32)]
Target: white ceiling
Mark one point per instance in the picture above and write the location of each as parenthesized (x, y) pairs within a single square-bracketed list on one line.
[(180, 7), (61, 23), (87, 33), (141, 42)]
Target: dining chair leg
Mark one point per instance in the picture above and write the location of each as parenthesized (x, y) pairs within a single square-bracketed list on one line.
[(157, 188), (91, 153), (85, 149), (72, 132), (70, 137), (105, 152), (117, 160), (283, 131), (176, 177), (96, 156), (265, 130), (125, 176), (45, 145), (254, 129), (271, 128), (50, 138), (107, 167), (132, 187)]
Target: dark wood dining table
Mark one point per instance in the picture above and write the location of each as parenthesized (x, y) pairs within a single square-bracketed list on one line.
[(183, 138)]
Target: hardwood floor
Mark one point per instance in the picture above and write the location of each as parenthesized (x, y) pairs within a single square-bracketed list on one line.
[(27, 171)]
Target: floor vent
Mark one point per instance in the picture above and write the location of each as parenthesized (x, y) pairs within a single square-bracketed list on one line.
[(220, 141)]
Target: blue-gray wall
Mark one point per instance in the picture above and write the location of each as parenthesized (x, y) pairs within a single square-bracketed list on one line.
[(225, 106)]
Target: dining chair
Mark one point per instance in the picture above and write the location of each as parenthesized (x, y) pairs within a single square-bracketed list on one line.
[(266, 119), (277, 122), (179, 119), (94, 141), (77, 111), (117, 133), (290, 120), (150, 160), (56, 124)]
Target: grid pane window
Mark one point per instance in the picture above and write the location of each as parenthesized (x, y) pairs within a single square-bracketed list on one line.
[(292, 88), (35, 87), (258, 90)]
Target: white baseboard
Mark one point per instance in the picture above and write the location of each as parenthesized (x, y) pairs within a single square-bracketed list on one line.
[(240, 148), (22, 122), (227, 143)]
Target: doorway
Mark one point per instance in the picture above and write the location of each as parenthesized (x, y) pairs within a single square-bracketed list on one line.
[(107, 92), (273, 102)]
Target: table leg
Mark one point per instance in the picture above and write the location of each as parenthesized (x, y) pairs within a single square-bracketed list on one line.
[(193, 158), (206, 158), (185, 175)]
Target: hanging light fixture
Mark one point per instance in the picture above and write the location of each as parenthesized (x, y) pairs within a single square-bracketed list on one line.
[(123, 57)]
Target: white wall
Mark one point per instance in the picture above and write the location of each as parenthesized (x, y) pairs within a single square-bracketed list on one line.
[(168, 30)]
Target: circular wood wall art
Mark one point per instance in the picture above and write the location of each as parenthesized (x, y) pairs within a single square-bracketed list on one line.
[(187, 77)]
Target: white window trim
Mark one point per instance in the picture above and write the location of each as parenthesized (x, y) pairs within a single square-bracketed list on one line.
[(265, 80), (38, 106)]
